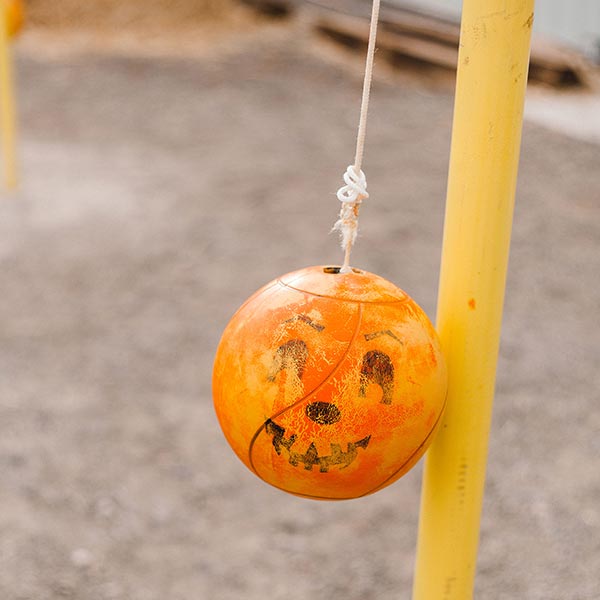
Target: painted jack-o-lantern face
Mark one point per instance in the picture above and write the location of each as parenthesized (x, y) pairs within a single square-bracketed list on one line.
[(329, 385)]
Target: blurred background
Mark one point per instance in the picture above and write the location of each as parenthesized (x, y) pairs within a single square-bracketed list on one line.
[(175, 156)]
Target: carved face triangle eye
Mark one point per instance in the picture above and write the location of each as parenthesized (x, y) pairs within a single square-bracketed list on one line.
[(377, 368), (294, 353), (291, 355)]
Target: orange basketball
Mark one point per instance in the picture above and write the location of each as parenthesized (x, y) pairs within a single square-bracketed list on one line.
[(327, 385), (14, 16)]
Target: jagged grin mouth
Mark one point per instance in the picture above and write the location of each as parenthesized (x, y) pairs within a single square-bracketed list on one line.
[(310, 458)]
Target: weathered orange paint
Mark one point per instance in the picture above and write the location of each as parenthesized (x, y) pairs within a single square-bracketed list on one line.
[(14, 16), (328, 385)]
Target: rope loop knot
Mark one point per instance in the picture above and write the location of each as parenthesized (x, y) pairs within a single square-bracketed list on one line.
[(355, 189)]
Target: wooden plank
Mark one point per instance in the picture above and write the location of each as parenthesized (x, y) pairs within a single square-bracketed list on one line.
[(423, 36), (272, 8), (435, 40), (350, 30)]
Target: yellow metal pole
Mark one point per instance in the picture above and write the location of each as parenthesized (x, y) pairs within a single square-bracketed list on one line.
[(491, 81), (7, 103)]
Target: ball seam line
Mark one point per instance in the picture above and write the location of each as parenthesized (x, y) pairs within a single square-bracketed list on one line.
[(311, 392), (384, 483), (291, 287), (379, 486)]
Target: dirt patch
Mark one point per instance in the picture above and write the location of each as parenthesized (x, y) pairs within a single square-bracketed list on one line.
[(133, 13), (137, 27), (156, 196)]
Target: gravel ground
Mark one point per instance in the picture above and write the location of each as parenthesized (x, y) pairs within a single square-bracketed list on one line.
[(157, 195)]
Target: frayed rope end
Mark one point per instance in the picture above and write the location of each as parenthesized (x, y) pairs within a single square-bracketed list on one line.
[(350, 195), (347, 225)]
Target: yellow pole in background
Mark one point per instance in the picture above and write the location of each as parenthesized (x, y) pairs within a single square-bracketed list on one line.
[(7, 103), (490, 90)]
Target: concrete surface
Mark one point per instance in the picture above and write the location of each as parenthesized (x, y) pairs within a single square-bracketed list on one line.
[(156, 196), (575, 115)]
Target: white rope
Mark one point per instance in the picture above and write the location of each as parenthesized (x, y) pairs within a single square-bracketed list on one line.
[(355, 190)]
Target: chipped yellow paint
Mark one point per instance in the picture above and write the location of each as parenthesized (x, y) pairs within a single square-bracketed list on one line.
[(491, 81)]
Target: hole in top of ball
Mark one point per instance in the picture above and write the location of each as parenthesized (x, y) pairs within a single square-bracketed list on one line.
[(336, 270)]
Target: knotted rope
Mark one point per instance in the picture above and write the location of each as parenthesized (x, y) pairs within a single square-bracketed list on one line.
[(355, 191)]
